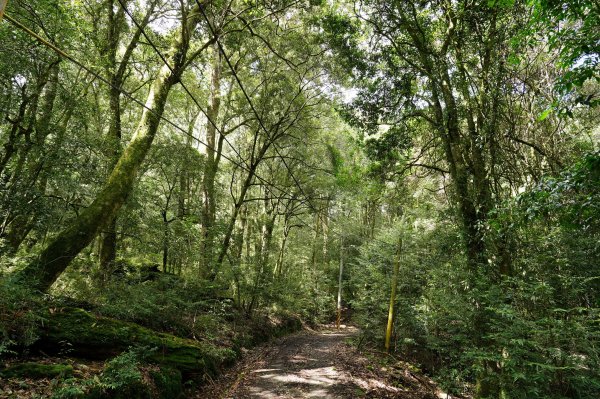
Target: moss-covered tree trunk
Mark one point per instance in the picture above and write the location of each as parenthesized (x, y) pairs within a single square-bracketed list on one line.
[(42, 272), (116, 71)]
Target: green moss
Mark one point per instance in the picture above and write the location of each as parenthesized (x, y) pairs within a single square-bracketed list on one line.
[(84, 334), (37, 370), (101, 337)]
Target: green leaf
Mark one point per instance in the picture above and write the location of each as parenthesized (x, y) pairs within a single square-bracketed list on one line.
[(545, 114)]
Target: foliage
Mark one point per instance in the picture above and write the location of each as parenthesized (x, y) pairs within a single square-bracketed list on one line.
[(571, 199), (165, 304), (122, 377), (284, 144), (573, 32), (20, 317)]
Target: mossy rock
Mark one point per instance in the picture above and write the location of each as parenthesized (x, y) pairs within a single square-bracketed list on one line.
[(37, 370), (87, 335)]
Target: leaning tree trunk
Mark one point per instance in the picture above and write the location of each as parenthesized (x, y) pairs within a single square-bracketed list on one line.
[(43, 271)]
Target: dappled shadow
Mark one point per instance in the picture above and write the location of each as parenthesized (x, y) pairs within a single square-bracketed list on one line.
[(317, 382), (307, 366)]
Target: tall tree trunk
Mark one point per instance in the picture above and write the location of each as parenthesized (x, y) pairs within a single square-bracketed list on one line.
[(10, 147), (116, 72), (231, 224), (315, 250), (325, 212), (391, 311), (278, 270), (213, 156), (184, 174), (239, 248), (269, 217), (339, 295), (248, 240), (43, 271), (108, 241), (166, 239)]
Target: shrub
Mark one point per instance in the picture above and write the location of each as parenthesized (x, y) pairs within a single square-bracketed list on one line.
[(19, 318)]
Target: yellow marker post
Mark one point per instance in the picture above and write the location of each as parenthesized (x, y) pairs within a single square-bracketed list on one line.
[(2, 8)]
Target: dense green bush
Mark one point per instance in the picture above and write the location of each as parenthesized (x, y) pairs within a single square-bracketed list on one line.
[(160, 301), (19, 317), (124, 377), (531, 334)]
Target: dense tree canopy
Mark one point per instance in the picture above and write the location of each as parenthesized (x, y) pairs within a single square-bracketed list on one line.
[(432, 167)]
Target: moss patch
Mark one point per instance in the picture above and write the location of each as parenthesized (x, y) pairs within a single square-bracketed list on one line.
[(95, 337), (37, 370)]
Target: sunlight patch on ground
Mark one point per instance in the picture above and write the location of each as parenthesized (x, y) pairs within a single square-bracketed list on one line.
[(373, 384), (324, 376), (301, 359), (444, 395)]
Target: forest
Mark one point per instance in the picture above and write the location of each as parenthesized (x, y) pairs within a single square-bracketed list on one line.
[(300, 199)]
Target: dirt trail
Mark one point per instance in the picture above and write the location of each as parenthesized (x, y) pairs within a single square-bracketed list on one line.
[(315, 364)]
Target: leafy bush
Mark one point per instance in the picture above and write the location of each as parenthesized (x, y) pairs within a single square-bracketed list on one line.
[(122, 378), (163, 302), (530, 334), (19, 319)]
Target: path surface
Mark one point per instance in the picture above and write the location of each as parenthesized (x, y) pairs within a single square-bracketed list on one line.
[(313, 364)]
